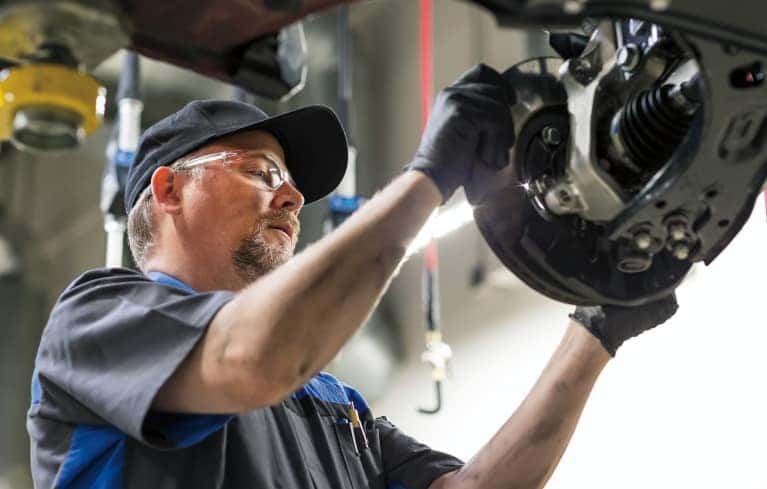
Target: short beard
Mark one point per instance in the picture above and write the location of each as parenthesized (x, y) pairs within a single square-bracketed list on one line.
[(255, 257)]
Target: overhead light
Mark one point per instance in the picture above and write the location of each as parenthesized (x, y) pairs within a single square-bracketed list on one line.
[(441, 223), (9, 263)]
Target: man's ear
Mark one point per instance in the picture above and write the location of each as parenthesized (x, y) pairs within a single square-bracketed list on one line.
[(166, 190)]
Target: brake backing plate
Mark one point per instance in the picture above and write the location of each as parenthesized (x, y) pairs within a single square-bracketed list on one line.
[(563, 257)]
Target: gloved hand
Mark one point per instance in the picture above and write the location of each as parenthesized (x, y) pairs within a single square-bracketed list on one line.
[(470, 122), (612, 325)]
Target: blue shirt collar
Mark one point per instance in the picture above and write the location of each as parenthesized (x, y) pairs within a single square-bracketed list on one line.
[(170, 280)]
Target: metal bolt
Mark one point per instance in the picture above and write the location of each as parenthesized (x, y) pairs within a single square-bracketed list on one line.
[(627, 57), (582, 70), (643, 240), (551, 136), (660, 5), (562, 199), (581, 65), (681, 251), (632, 261), (677, 231)]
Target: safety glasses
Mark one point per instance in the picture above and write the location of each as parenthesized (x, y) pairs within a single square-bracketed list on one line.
[(258, 166)]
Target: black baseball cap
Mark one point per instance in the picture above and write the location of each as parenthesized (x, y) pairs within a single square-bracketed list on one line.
[(311, 137)]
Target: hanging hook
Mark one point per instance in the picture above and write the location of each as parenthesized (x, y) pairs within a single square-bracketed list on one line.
[(438, 405), (437, 355)]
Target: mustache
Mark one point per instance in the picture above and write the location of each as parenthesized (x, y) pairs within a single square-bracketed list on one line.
[(282, 217)]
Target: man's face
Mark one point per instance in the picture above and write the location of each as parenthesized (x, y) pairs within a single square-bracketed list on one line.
[(232, 212)]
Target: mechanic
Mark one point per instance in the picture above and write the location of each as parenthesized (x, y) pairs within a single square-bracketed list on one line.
[(202, 371)]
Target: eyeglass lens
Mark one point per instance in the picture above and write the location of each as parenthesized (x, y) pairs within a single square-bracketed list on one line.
[(262, 169)]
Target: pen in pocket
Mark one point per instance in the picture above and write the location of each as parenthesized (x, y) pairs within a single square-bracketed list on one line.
[(358, 430)]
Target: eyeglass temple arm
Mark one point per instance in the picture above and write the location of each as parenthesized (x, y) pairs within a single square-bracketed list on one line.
[(202, 160)]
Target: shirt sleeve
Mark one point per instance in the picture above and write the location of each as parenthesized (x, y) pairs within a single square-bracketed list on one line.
[(409, 464), (112, 341)]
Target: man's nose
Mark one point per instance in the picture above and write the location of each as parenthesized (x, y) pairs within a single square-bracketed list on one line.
[(288, 197)]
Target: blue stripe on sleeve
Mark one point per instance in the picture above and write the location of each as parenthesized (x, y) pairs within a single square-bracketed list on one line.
[(95, 459)]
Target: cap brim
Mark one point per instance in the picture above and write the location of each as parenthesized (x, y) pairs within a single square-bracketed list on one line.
[(315, 147)]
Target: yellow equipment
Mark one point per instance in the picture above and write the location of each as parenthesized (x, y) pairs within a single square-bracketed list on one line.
[(45, 106)]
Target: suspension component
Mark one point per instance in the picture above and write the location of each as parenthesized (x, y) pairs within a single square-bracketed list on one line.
[(647, 131)]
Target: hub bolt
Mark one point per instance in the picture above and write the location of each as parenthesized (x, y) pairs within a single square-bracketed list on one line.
[(628, 57), (677, 231), (551, 136), (643, 240), (681, 251)]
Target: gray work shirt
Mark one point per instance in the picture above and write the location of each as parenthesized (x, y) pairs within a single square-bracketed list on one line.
[(113, 339)]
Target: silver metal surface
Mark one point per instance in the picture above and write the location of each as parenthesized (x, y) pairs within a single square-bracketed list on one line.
[(680, 101), (600, 197), (292, 56), (563, 198), (43, 128), (628, 57)]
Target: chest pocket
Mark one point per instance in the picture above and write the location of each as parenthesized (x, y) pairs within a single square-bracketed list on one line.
[(330, 457), (364, 464)]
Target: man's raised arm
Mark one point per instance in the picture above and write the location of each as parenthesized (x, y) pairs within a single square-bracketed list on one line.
[(279, 331)]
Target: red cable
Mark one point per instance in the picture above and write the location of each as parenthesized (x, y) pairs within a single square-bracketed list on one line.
[(426, 83)]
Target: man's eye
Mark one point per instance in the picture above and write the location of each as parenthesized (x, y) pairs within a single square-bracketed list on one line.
[(257, 173)]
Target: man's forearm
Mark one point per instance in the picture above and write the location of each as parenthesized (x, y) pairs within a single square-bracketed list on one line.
[(296, 319), (525, 451)]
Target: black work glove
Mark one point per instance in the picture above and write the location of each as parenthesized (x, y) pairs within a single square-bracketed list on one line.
[(612, 325), (470, 122)]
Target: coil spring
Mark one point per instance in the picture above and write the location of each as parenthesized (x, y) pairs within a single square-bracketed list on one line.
[(652, 126)]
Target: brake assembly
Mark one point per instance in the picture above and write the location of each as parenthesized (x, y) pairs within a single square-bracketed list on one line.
[(636, 156)]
